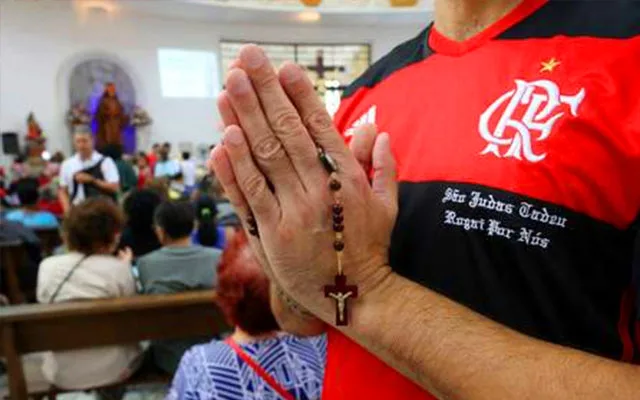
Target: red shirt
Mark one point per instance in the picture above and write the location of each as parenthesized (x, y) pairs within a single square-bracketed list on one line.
[(152, 159), (518, 160)]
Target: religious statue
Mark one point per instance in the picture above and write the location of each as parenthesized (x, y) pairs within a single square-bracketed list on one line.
[(33, 128), (35, 147), (111, 118)]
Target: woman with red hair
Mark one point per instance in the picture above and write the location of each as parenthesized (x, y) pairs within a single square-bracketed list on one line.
[(257, 361)]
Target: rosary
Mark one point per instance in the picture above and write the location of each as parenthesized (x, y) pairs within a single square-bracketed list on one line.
[(339, 291)]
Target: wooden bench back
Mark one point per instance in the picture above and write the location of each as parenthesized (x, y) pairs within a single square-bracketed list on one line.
[(67, 326)]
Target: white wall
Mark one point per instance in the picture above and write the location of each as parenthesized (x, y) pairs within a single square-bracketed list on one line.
[(40, 42)]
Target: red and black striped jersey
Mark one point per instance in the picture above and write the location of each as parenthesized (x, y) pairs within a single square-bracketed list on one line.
[(519, 166)]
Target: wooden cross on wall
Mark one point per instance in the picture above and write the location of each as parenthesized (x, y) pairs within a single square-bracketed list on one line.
[(320, 68)]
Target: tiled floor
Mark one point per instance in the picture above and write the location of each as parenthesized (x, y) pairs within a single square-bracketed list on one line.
[(31, 365)]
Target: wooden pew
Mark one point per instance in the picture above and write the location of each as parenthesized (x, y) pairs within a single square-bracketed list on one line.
[(69, 326)]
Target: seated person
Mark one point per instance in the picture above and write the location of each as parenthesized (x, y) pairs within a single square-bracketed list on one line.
[(208, 233), (189, 171), (27, 275), (217, 370), (128, 178), (178, 266), (177, 189), (138, 234), (90, 271), (29, 214), (166, 167), (143, 170)]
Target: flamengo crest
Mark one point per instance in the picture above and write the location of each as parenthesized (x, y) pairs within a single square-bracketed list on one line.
[(528, 114)]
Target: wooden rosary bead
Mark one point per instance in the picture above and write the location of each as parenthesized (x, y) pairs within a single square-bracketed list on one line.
[(338, 219), (338, 245), (335, 185), (337, 209), (338, 227)]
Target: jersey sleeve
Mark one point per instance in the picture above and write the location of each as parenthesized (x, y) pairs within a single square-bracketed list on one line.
[(344, 117)]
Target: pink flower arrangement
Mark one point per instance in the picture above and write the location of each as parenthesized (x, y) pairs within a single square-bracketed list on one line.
[(140, 117), (78, 115)]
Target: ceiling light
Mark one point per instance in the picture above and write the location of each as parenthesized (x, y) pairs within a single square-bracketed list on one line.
[(107, 6), (308, 16), (311, 3)]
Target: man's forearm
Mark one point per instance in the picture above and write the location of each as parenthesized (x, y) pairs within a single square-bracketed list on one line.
[(458, 354), (63, 198), (291, 317)]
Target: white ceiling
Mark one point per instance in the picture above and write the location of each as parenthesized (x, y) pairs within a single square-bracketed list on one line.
[(332, 12)]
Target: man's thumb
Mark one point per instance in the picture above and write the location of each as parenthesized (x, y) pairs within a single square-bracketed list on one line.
[(384, 172)]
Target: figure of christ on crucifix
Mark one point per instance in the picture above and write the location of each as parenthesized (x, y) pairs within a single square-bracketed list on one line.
[(341, 292)]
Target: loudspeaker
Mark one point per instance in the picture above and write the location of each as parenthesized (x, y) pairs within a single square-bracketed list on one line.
[(10, 143)]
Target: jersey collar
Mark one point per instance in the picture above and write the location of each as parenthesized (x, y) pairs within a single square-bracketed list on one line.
[(443, 45)]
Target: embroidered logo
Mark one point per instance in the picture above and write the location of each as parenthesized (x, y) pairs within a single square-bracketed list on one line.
[(528, 114), (367, 118)]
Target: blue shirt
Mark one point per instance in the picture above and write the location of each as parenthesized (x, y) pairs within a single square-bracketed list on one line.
[(36, 219), (166, 169), (214, 370)]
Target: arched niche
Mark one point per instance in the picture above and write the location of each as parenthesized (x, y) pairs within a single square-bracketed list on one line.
[(82, 80)]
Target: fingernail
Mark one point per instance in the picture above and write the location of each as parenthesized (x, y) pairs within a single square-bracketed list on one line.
[(238, 82), (233, 136), (252, 56), (291, 74)]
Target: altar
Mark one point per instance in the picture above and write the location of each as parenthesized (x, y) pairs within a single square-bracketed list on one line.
[(103, 97)]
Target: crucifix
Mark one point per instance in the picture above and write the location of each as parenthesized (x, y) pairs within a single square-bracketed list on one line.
[(320, 68), (341, 292)]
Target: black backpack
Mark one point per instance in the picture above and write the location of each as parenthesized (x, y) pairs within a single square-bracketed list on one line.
[(91, 190)]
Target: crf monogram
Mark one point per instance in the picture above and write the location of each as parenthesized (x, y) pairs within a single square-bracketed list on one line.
[(513, 134)]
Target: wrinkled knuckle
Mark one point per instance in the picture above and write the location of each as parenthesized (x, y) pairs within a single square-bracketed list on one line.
[(266, 78), (287, 123), (268, 148), (319, 120), (249, 106), (254, 185)]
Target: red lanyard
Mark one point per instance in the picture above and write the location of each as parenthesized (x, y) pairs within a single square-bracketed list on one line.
[(259, 370)]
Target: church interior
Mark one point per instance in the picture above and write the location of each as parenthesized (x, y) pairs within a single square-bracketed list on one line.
[(141, 79)]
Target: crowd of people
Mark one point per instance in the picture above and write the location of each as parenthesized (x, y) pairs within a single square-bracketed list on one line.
[(147, 225)]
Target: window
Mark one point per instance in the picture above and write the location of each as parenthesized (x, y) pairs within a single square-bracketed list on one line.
[(188, 74), (331, 67)]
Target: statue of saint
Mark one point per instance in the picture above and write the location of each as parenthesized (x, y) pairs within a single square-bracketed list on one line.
[(111, 118)]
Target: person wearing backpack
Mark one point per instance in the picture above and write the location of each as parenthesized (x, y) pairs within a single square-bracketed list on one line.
[(87, 173)]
